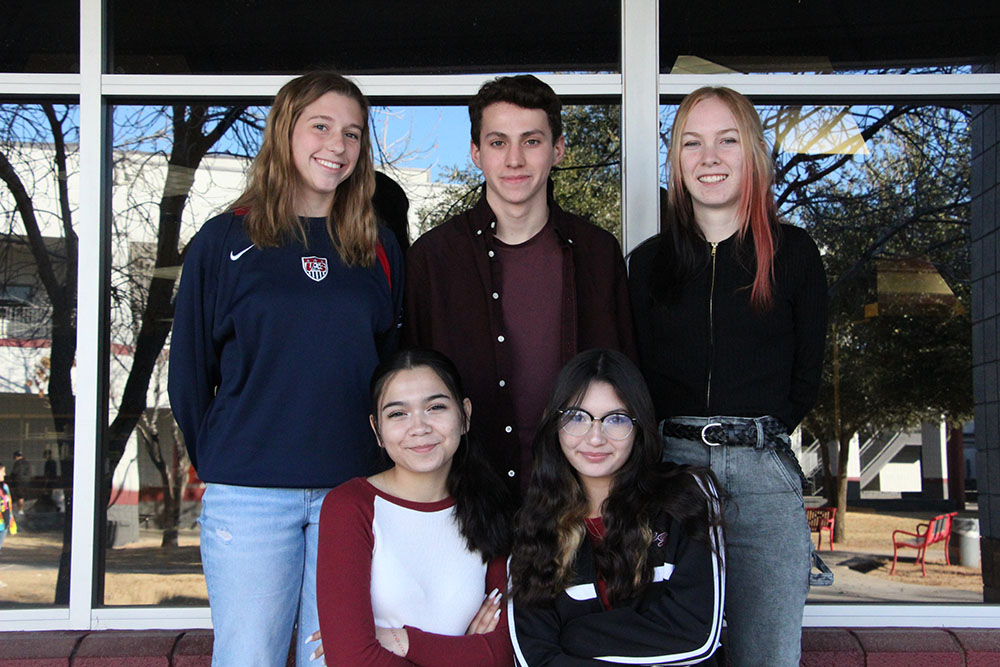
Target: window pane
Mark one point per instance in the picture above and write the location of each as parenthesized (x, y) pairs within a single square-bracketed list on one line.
[(587, 182), (38, 205), (820, 37), (885, 192), (40, 36), (154, 494), (389, 37)]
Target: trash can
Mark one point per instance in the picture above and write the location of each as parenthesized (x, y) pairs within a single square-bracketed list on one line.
[(965, 539)]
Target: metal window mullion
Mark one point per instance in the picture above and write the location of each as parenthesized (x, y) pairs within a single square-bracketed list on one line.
[(86, 444), (847, 87), (640, 122), (459, 87)]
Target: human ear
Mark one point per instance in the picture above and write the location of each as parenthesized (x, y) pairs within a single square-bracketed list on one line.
[(474, 153), (559, 148), (467, 405), (378, 438)]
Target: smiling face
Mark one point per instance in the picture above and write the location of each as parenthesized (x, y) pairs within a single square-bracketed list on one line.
[(326, 142), (711, 158), (516, 152), (596, 457), (419, 422)]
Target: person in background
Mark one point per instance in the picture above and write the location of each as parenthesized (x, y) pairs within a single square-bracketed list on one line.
[(286, 304), (618, 557), (514, 287), (733, 311), (8, 524), (20, 480), (392, 208), (411, 567)]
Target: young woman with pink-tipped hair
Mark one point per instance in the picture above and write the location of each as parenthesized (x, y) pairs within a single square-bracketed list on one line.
[(730, 306)]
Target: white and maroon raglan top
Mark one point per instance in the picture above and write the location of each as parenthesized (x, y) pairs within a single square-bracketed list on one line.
[(388, 562)]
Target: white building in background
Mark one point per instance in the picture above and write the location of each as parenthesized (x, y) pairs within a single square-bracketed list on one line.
[(140, 181)]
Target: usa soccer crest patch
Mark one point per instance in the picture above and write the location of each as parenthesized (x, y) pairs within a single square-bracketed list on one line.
[(315, 267)]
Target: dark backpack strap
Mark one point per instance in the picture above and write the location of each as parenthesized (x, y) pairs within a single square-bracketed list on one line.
[(383, 259)]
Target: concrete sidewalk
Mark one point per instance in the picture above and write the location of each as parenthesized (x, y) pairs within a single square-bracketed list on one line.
[(851, 585)]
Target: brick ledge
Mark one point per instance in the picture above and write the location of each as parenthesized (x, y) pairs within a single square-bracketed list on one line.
[(821, 647)]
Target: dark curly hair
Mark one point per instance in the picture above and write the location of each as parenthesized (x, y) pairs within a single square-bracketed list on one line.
[(549, 527)]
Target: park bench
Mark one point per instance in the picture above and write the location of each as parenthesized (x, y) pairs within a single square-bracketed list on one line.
[(820, 519), (937, 530)]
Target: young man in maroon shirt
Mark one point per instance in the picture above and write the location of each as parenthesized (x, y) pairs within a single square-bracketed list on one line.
[(514, 287)]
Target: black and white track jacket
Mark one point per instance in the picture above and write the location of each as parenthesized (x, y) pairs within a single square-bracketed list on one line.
[(674, 620)]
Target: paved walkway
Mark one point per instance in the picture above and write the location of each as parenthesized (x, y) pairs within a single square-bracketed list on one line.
[(851, 585)]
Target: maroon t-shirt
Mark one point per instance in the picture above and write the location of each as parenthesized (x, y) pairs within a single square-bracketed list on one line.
[(532, 288)]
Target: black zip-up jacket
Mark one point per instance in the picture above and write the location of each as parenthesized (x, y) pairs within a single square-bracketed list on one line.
[(707, 353), (674, 620)]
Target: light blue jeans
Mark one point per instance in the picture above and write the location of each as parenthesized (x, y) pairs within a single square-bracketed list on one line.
[(768, 547), (258, 551)]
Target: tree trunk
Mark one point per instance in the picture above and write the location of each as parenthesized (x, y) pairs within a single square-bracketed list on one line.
[(840, 527)]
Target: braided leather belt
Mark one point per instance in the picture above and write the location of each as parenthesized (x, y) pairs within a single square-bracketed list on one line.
[(742, 433)]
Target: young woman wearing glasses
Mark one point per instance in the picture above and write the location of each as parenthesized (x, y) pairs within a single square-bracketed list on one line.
[(617, 557)]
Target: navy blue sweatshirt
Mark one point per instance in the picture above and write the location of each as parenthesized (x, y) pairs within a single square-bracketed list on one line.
[(271, 354)]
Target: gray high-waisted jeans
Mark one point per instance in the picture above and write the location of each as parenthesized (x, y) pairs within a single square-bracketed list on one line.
[(768, 545)]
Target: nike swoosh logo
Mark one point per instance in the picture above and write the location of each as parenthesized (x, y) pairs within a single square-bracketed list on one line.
[(236, 255)]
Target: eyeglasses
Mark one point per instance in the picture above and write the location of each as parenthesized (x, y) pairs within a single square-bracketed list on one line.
[(577, 422)]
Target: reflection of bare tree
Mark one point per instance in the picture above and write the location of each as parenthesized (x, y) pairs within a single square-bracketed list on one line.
[(183, 134), (159, 435), (871, 183)]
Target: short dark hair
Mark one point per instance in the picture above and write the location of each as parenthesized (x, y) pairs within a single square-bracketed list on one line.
[(525, 91)]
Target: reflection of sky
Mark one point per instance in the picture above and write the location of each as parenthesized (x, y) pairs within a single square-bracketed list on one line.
[(433, 136)]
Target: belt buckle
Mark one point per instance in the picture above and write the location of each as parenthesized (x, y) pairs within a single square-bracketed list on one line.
[(704, 439)]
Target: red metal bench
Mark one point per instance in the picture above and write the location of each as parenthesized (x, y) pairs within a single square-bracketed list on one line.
[(820, 519), (937, 530)]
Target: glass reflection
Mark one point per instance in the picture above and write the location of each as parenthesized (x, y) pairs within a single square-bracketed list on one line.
[(38, 259), (885, 192)]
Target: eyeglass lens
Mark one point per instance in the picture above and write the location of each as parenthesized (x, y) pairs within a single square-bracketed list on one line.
[(616, 425)]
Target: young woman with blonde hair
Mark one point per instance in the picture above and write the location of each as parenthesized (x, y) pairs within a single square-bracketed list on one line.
[(286, 304), (732, 312)]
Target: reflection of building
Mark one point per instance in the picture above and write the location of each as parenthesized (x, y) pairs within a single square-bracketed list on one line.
[(116, 56), (26, 311)]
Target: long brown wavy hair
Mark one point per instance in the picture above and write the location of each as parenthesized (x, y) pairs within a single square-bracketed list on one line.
[(549, 528), (757, 208), (269, 199)]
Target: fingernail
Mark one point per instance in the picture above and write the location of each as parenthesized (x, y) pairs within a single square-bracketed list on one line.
[(496, 614), (313, 655), (493, 593)]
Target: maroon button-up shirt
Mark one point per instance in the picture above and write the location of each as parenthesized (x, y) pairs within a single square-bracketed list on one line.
[(452, 304)]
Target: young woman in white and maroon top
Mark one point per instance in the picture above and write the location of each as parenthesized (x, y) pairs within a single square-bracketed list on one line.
[(411, 567)]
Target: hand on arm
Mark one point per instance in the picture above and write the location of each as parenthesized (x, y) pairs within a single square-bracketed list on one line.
[(486, 642)]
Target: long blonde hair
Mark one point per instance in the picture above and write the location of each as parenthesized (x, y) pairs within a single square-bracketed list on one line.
[(757, 209), (268, 203)]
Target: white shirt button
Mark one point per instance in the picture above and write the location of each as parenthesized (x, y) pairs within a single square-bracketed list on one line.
[(500, 339), (479, 232), (493, 224), (503, 383), (495, 295), (509, 429), (491, 253), (510, 473)]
